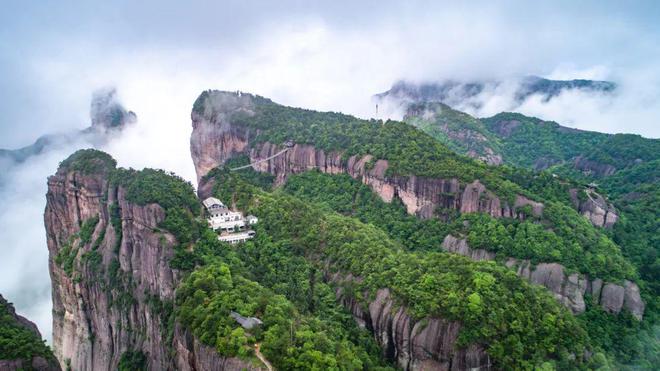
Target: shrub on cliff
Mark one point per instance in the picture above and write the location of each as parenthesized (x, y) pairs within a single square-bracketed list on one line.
[(16, 340), (89, 161)]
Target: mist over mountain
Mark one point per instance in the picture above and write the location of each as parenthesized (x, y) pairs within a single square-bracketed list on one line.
[(24, 268), (475, 94), (108, 118)]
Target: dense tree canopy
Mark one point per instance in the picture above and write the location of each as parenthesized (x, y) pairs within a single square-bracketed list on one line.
[(427, 283)]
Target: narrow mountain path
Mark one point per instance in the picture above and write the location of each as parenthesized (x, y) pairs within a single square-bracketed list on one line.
[(261, 357)]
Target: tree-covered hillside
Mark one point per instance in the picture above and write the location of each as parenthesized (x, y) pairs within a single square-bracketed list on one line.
[(459, 131), (624, 167), (497, 308), (20, 340)]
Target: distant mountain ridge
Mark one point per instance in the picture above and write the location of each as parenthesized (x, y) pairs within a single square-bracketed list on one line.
[(455, 93), (107, 116)]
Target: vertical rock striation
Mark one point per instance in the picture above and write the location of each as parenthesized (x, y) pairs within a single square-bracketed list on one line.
[(216, 138), (113, 290), (428, 344)]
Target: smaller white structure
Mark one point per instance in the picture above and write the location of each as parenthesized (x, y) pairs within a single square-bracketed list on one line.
[(251, 220), (233, 238)]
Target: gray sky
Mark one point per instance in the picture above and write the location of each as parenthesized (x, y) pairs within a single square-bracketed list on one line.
[(329, 55), (332, 55)]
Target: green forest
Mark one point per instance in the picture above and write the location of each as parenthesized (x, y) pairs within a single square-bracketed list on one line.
[(17, 341), (317, 226), (418, 279)]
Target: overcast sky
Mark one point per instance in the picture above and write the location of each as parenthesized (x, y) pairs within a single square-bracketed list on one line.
[(330, 56)]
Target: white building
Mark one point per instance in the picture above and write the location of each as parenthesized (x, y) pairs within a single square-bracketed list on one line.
[(221, 217), (226, 221), (214, 206), (233, 238)]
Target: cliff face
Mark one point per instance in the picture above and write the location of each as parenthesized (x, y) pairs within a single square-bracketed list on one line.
[(595, 208), (215, 140), (113, 287), (569, 289), (593, 167), (429, 344)]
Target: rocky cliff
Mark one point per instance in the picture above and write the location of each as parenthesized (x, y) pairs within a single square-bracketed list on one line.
[(428, 344), (112, 284), (216, 138), (569, 289), (595, 208)]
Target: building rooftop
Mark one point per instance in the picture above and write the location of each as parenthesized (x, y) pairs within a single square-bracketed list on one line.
[(246, 322), (211, 201)]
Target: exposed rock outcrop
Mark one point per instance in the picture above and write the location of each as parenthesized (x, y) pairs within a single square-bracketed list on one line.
[(429, 344), (593, 167), (36, 363), (569, 289), (216, 138), (595, 208), (111, 293)]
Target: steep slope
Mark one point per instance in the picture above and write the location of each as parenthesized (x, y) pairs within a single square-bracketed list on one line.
[(427, 311), (611, 179), (400, 164), (393, 158), (459, 131), (141, 282), (21, 346), (110, 245)]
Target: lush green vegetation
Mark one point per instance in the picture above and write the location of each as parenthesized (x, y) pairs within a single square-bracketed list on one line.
[(487, 298), (632, 342), (16, 340), (132, 361), (561, 236), (530, 142), (457, 130), (623, 150), (171, 192), (533, 143), (89, 161), (408, 150)]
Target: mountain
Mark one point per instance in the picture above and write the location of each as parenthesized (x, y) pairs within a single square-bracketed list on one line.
[(612, 179), (349, 265), (107, 116), (471, 93), (21, 346), (401, 165), (113, 237), (459, 131)]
